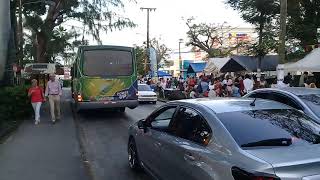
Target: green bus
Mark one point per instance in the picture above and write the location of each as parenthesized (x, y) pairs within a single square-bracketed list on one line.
[(105, 77)]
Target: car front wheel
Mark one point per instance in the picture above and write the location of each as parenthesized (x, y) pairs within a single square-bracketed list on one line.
[(133, 158)]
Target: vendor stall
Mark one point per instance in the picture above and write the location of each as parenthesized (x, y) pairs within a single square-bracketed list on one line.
[(309, 63)]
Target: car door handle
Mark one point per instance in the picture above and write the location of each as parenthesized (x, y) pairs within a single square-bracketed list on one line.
[(157, 144), (189, 157)]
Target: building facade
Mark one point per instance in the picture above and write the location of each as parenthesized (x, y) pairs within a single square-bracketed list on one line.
[(5, 30)]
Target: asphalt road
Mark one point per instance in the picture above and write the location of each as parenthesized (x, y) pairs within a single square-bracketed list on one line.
[(105, 141), (45, 151)]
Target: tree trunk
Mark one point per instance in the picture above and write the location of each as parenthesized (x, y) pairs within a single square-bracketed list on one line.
[(282, 38), (260, 54), (41, 48)]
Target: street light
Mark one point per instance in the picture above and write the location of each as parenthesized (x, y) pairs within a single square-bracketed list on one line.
[(180, 58)]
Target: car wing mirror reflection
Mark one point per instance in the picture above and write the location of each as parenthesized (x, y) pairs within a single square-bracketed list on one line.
[(204, 137)]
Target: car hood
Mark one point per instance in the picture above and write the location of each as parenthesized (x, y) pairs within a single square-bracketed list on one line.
[(299, 161), (147, 93)]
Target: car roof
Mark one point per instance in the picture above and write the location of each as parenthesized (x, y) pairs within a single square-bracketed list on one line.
[(224, 105), (298, 91)]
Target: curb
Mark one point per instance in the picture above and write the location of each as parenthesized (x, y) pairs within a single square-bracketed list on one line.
[(81, 139), (9, 131), (162, 100)]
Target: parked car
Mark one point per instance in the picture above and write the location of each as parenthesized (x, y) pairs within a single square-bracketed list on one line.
[(303, 99), (146, 94), (226, 139)]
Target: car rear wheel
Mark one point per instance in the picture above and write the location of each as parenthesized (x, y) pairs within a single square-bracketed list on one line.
[(133, 159), (122, 109)]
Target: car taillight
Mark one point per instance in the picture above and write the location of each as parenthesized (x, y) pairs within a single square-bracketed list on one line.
[(80, 98), (239, 174)]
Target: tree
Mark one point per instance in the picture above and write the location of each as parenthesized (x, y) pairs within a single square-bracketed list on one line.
[(161, 49), (62, 45), (283, 31), (44, 17), (262, 14), (140, 57), (210, 38), (303, 21), (162, 53)]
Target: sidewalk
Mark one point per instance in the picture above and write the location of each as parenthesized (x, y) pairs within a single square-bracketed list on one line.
[(43, 152)]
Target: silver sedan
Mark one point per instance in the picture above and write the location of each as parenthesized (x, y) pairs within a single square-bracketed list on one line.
[(303, 99), (226, 139)]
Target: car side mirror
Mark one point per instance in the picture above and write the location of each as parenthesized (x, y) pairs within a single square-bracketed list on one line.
[(142, 125)]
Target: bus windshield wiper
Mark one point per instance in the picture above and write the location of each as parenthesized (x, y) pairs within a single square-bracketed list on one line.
[(270, 142)]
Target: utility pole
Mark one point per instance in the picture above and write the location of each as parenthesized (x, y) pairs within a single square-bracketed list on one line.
[(180, 58), (148, 40), (282, 39)]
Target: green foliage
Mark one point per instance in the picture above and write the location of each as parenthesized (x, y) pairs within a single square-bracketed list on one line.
[(140, 57), (45, 20), (263, 15), (162, 52), (14, 106), (161, 49), (66, 83), (303, 21)]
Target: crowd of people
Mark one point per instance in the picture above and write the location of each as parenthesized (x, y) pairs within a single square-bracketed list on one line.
[(223, 86)]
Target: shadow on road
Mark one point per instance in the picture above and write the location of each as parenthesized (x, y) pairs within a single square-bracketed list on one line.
[(101, 115)]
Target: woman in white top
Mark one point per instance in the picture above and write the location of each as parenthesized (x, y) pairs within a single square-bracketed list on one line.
[(212, 92)]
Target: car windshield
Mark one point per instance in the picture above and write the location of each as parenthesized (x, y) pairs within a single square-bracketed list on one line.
[(144, 88), (277, 127), (107, 63), (313, 102)]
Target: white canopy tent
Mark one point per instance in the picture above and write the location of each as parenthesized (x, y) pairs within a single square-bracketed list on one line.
[(309, 63), (214, 65)]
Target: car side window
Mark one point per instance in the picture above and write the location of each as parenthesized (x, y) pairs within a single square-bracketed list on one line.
[(188, 124), (259, 95), (161, 119), (277, 97), (285, 100)]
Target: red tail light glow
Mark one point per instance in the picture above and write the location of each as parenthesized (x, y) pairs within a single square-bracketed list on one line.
[(239, 174), (80, 98)]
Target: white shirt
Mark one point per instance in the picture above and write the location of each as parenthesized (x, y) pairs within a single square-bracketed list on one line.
[(248, 85), (193, 95), (163, 85), (280, 84), (212, 93), (224, 81)]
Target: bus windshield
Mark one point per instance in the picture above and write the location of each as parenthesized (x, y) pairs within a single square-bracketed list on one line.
[(107, 63)]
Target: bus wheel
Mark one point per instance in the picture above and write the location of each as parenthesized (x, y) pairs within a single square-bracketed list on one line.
[(122, 109)]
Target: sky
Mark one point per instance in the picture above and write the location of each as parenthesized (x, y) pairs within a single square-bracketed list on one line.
[(167, 24)]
